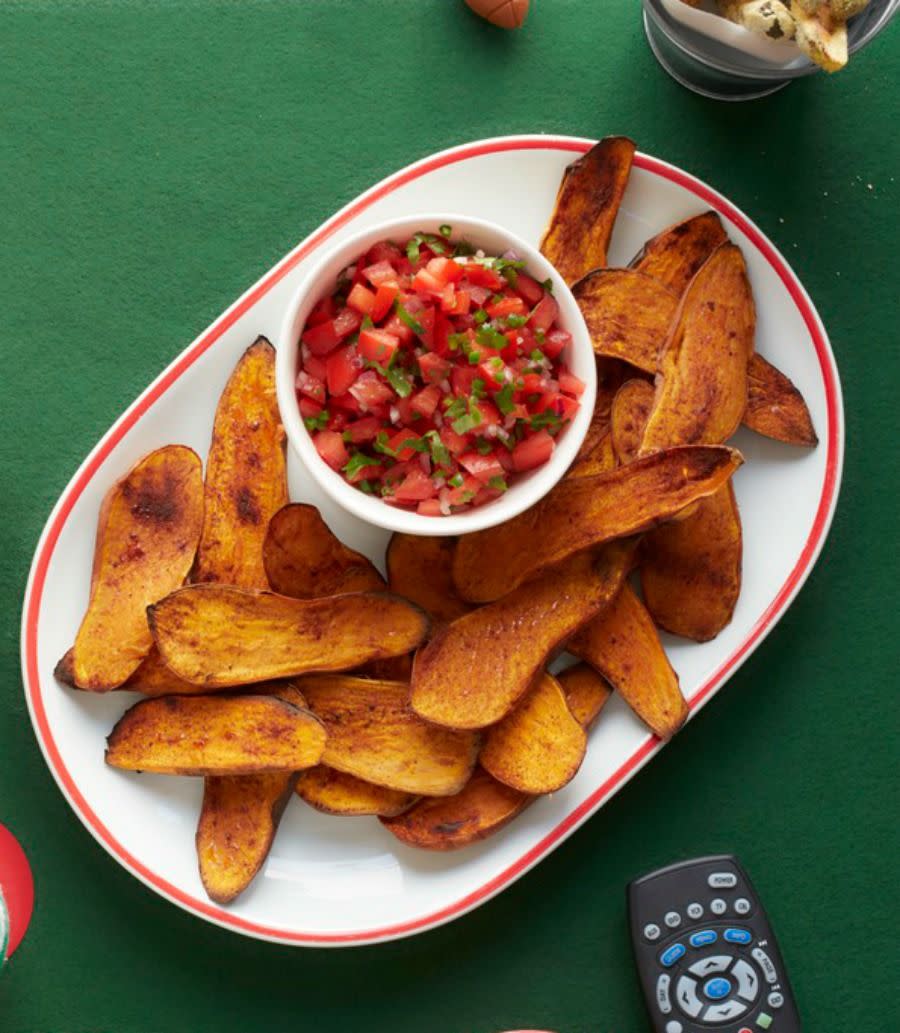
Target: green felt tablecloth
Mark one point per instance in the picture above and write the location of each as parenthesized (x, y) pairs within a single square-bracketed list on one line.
[(156, 158)]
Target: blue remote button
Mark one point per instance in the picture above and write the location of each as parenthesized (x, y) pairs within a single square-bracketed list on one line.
[(738, 936), (704, 938), (672, 954), (717, 988)]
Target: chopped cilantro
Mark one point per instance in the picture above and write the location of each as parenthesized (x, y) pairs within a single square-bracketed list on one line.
[(413, 252), (479, 390), (490, 337), (317, 422), (498, 483), (367, 487), (504, 399), (367, 323), (445, 230), (480, 316), (470, 421), (483, 447), (463, 247), (514, 322), (548, 286), (537, 355), (440, 454), (456, 408), (457, 341), (547, 419), (409, 319), (456, 481), (359, 461)]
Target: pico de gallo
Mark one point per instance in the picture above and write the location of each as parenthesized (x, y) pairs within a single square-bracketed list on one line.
[(433, 375)]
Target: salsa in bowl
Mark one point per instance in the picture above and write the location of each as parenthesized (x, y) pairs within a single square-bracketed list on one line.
[(435, 375)]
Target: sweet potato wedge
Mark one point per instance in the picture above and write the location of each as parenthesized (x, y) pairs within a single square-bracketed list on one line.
[(602, 459), (153, 678), (147, 535), (335, 792), (239, 817), (587, 511), (219, 636), (628, 314), (475, 670), (775, 408), (691, 569), (373, 735), (306, 560), (675, 256), (246, 482), (539, 746), (630, 412), (479, 810), (578, 234), (419, 568), (238, 821), (701, 387), (215, 735), (587, 692), (623, 645)]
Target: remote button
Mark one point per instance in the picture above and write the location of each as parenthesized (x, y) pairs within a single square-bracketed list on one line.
[(737, 936), (723, 1011), (722, 881), (663, 1000), (695, 911), (742, 906), (718, 906), (763, 1020), (775, 999), (674, 1026), (651, 932), (747, 980), (686, 995), (672, 954), (704, 938), (711, 966), (672, 919), (765, 963), (718, 988)]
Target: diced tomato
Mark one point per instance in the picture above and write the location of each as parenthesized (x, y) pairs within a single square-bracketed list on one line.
[(485, 495), (482, 467), (533, 452), (455, 443), (555, 342), (544, 314), (481, 276), (330, 446), (530, 290), (346, 402), (362, 299), (505, 459), (346, 322), (462, 495), (384, 251), (362, 430), (312, 387), (426, 319), (490, 414), (426, 401), (337, 421), (531, 385), (513, 306), (569, 383), (479, 295), (511, 351), (322, 338), (434, 369), (308, 408), (364, 473), (427, 283), (429, 507), (398, 328), (342, 368), (314, 365), (461, 380), (322, 311), (380, 272), (370, 390), (377, 345), (384, 299), (398, 439), (440, 337), (493, 371), (454, 302), (565, 407), (445, 270), (415, 487)]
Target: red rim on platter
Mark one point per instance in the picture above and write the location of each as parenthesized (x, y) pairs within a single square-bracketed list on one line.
[(35, 687)]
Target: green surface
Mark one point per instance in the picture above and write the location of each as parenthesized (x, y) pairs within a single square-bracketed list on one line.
[(156, 158)]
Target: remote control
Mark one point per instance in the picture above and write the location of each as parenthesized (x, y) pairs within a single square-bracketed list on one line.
[(705, 951)]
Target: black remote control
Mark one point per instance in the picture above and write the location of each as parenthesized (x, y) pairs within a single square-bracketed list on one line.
[(705, 951)]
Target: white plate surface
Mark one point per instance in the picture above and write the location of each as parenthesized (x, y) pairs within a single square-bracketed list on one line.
[(334, 881)]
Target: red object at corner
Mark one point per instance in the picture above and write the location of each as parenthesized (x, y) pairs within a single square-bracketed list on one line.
[(17, 885)]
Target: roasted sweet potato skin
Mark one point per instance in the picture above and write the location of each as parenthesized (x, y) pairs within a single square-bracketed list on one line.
[(630, 412), (218, 636), (577, 237), (539, 746), (587, 511), (237, 825), (373, 734), (675, 256), (420, 568), (246, 482), (628, 314), (775, 408), (475, 670), (337, 793), (701, 386), (306, 560), (691, 569), (587, 692), (481, 808), (623, 645), (215, 735), (147, 535)]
